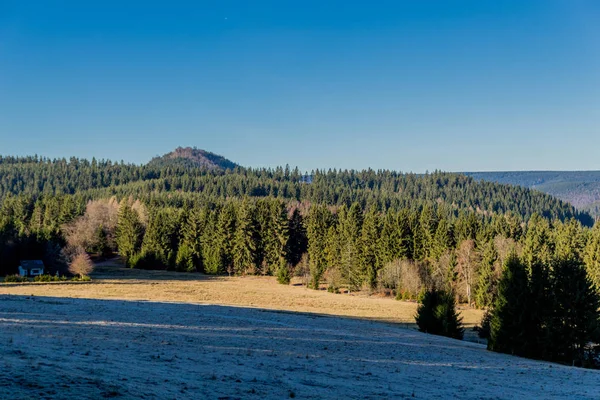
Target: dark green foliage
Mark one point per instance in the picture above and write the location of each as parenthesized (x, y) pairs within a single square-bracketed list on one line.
[(129, 233), (369, 257), (283, 274), (575, 319), (350, 228), (297, 242), (244, 247), (33, 176), (483, 331), (485, 289), (592, 256), (437, 315), (550, 314), (580, 188), (191, 158), (161, 238), (319, 219), (510, 313)]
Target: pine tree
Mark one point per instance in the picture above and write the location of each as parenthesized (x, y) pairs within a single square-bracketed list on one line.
[(437, 315), (576, 318), (350, 230), (485, 288), (211, 252), (569, 240), (192, 230), (391, 246), (185, 261), (537, 247), (129, 232), (592, 256), (333, 247), (283, 274), (317, 227), (508, 319), (297, 243), (442, 239), (275, 237), (370, 260), (161, 238), (244, 246), (538, 312)]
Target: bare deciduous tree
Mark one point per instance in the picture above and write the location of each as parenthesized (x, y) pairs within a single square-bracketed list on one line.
[(81, 264), (95, 230), (468, 259)]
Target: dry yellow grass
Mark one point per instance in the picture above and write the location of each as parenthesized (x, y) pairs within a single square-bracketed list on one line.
[(113, 282)]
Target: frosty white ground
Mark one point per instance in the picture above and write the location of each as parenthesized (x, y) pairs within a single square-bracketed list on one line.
[(75, 348)]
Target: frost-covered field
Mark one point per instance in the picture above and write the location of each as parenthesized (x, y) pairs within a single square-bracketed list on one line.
[(77, 348)]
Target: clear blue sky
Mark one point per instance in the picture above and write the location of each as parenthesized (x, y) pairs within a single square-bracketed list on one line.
[(410, 86)]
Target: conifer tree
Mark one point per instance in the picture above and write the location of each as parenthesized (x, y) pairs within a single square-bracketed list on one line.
[(317, 227), (350, 230), (428, 225), (333, 247), (244, 246), (370, 260), (283, 274), (224, 240), (161, 237), (129, 231), (508, 319), (569, 240), (576, 317), (538, 311), (537, 246), (210, 244), (485, 288), (390, 242), (592, 256), (442, 239), (437, 315), (297, 243), (190, 245)]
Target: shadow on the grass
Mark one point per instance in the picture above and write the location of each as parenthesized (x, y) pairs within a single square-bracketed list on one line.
[(141, 310)]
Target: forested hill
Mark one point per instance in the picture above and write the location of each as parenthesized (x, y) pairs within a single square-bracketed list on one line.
[(33, 176), (580, 188), (192, 158)]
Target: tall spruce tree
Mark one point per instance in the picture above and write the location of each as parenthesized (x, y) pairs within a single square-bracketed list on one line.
[(244, 247), (317, 227), (224, 240), (485, 288), (371, 262), (129, 232), (189, 254), (297, 244), (576, 318), (350, 230), (508, 319), (592, 256)]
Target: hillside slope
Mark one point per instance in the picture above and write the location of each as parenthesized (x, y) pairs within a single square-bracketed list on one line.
[(190, 351), (580, 188)]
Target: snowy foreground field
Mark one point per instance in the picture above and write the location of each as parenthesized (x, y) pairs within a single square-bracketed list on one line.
[(76, 348)]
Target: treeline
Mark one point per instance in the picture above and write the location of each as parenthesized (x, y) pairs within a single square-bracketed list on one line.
[(34, 176), (404, 252)]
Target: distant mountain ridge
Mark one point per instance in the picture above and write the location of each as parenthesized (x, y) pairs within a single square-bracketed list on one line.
[(192, 157), (580, 188)]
